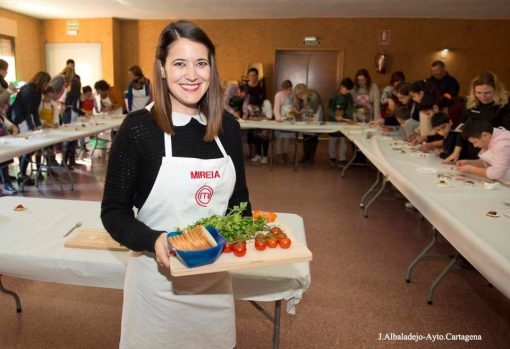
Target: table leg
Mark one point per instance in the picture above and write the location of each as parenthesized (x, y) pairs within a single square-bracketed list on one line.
[(362, 201), (376, 195), (270, 151), (295, 152), (347, 165), (421, 255), (445, 271), (16, 298), (274, 319)]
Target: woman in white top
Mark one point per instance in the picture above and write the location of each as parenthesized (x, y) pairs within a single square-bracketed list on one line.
[(139, 89), (366, 97), (282, 107)]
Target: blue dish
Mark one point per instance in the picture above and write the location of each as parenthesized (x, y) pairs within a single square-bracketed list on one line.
[(197, 258)]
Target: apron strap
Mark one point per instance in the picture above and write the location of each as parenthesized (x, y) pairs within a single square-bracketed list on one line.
[(218, 142), (168, 145)]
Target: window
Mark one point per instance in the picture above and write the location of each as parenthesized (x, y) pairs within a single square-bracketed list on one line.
[(7, 54)]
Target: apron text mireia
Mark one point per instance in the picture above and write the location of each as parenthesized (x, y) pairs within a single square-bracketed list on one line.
[(161, 311)]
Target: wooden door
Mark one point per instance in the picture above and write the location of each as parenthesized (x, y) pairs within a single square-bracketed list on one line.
[(319, 70)]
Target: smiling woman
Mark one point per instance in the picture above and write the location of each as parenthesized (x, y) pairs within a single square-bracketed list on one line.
[(162, 160)]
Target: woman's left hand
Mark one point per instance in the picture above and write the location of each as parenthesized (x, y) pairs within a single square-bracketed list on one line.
[(162, 251)]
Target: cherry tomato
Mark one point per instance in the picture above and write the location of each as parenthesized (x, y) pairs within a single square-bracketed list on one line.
[(239, 249), (284, 242), (271, 241), (227, 248), (260, 244), (276, 230)]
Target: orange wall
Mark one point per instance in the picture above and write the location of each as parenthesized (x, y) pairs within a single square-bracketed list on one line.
[(28, 45), (476, 44), (98, 30)]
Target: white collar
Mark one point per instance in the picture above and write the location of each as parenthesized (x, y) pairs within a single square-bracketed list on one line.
[(180, 119)]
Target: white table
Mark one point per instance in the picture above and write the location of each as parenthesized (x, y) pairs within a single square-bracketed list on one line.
[(457, 212), (32, 247), (21, 144)]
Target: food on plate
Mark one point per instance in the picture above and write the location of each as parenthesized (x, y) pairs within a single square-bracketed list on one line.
[(493, 214), (269, 216), (239, 249), (284, 242), (271, 241), (260, 242), (196, 238), (20, 207), (227, 248)]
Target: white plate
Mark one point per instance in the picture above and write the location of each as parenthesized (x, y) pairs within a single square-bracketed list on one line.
[(426, 170)]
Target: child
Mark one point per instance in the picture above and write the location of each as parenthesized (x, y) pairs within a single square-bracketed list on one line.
[(48, 109), (71, 112), (407, 124), (87, 101), (446, 148), (494, 157), (340, 109)]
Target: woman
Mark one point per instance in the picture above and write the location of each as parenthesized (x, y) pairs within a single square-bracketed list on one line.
[(111, 98), (389, 99), (139, 89), (25, 114), (366, 97), (149, 167), (71, 113), (282, 106), (403, 92), (488, 100)]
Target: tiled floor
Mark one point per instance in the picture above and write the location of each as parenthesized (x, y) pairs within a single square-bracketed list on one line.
[(357, 293)]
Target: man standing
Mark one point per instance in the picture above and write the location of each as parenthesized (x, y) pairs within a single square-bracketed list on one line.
[(441, 84)]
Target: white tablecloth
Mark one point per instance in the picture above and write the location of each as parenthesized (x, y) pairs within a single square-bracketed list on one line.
[(13, 146), (457, 211), (32, 247)]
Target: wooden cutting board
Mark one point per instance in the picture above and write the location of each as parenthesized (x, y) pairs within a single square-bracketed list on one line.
[(94, 239), (297, 252)]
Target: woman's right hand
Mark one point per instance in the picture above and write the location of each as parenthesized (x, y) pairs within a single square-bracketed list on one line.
[(162, 251)]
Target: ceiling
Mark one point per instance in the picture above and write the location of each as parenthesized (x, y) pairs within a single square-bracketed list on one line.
[(231, 9)]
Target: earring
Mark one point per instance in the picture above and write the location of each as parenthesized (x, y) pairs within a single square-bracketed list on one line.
[(163, 75)]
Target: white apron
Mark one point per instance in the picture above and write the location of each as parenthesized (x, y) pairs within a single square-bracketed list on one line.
[(140, 99), (161, 311), (107, 102)]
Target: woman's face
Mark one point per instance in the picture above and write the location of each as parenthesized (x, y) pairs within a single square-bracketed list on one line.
[(188, 74), (484, 94), (362, 80), (131, 75), (253, 78), (3, 72)]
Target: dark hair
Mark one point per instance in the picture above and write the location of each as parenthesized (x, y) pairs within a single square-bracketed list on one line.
[(364, 73), (211, 102), (403, 88), (70, 61), (347, 83), (236, 102), (286, 84), (49, 89), (438, 64), (253, 69), (418, 86), (39, 80), (3, 64), (76, 87), (428, 102), (402, 112), (86, 89), (243, 88), (101, 85), (396, 77), (136, 70), (474, 127), (439, 119)]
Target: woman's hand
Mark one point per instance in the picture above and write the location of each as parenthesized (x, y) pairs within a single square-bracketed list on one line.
[(465, 168), (452, 159), (162, 251)]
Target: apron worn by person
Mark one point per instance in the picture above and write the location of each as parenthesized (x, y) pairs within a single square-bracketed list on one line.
[(189, 312), (140, 99), (107, 102), (46, 114)]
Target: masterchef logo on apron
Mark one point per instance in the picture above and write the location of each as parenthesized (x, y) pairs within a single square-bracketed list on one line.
[(204, 195)]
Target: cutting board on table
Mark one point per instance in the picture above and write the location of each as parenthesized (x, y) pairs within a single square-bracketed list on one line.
[(94, 239)]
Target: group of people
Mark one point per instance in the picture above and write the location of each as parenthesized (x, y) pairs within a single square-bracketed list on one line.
[(429, 113), (49, 102)]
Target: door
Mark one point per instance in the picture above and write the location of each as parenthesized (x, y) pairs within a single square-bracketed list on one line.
[(319, 70)]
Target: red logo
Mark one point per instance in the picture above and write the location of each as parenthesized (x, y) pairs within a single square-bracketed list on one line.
[(204, 195)]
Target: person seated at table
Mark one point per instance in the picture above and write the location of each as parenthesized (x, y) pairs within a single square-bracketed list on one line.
[(408, 125), (389, 99), (340, 109), (139, 89), (237, 92), (25, 114), (307, 106), (87, 101), (282, 107), (111, 100), (445, 148), (71, 112), (494, 156)]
